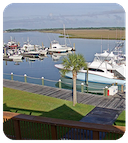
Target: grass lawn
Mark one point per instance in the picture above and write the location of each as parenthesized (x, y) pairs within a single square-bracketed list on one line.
[(39, 105), (120, 121)]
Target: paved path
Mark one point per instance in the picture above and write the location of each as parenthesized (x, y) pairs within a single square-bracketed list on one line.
[(101, 116), (116, 102)]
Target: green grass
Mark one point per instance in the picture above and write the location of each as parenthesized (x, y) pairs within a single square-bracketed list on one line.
[(40, 105), (120, 121)]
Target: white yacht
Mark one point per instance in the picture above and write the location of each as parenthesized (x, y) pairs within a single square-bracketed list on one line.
[(33, 50), (104, 69), (16, 57), (57, 48)]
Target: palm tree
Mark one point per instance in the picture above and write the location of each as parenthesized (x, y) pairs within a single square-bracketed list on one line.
[(73, 62)]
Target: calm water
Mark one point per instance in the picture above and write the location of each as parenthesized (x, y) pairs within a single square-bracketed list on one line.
[(45, 68)]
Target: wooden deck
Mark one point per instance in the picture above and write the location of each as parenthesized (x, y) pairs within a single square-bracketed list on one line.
[(111, 102)]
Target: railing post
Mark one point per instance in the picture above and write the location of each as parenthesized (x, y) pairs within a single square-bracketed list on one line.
[(95, 135), (82, 87), (106, 91), (17, 129), (59, 83), (42, 80), (54, 132), (122, 88), (11, 76), (25, 77)]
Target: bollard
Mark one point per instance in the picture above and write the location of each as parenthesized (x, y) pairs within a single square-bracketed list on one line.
[(106, 91), (59, 83), (82, 87), (42, 80), (11, 76), (122, 88), (25, 77)]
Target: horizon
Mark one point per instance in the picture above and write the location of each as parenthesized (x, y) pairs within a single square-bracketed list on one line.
[(54, 15), (65, 28)]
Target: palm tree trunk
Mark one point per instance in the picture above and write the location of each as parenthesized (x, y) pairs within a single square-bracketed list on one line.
[(74, 89)]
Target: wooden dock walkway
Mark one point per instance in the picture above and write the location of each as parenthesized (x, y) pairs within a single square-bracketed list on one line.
[(116, 102)]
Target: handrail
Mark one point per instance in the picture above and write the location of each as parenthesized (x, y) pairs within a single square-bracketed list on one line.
[(52, 80), (66, 123)]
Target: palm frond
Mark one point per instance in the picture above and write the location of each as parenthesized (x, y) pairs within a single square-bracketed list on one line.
[(73, 62)]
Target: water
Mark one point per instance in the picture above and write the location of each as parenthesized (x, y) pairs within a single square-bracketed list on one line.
[(45, 68)]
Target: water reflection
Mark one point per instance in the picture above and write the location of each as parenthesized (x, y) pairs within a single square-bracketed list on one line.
[(56, 56)]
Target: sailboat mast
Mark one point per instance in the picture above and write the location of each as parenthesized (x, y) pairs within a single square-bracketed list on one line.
[(64, 34), (101, 44)]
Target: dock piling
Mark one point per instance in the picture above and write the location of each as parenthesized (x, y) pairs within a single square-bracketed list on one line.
[(11, 75), (106, 91), (25, 77), (82, 87), (122, 88), (59, 83), (42, 80)]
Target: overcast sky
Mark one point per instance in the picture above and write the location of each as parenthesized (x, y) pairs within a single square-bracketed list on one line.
[(54, 15)]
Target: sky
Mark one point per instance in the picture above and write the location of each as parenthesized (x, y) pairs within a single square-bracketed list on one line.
[(54, 15)]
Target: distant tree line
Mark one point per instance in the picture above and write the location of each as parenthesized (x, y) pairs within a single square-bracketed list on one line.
[(79, 28)]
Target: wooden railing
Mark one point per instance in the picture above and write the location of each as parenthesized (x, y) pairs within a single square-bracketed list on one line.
[(25, 127)]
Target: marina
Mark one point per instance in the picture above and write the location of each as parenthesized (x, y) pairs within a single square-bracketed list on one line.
[(37, 61)]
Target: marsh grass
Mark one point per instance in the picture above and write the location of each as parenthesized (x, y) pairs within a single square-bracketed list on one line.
[(92, 33)]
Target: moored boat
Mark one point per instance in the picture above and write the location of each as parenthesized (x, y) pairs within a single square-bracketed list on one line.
[(105, 68)]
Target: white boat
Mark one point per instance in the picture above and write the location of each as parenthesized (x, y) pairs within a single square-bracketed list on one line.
[(33, 51), (32, 54), (16, 57), (43, 52), (57, 48), (103, 69)]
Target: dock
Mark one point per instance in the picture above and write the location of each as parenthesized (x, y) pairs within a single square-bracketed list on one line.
[(116, 102), (6, 58)]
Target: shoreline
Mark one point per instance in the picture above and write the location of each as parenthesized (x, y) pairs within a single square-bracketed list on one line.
[(105, 34)]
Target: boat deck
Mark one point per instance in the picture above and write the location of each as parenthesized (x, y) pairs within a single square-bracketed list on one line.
[(111, 102)]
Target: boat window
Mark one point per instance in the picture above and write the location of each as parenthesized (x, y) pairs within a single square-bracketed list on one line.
[(54, 47), (91, 69)]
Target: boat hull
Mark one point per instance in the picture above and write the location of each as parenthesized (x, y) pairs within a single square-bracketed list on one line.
[(82, 76), (16, 57)]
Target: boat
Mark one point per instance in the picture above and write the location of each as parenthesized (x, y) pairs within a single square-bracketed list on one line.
[(55, 47), (43, 52), (105, 69), (16, 57), (27, 46), (33, 51), (12, 44)]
